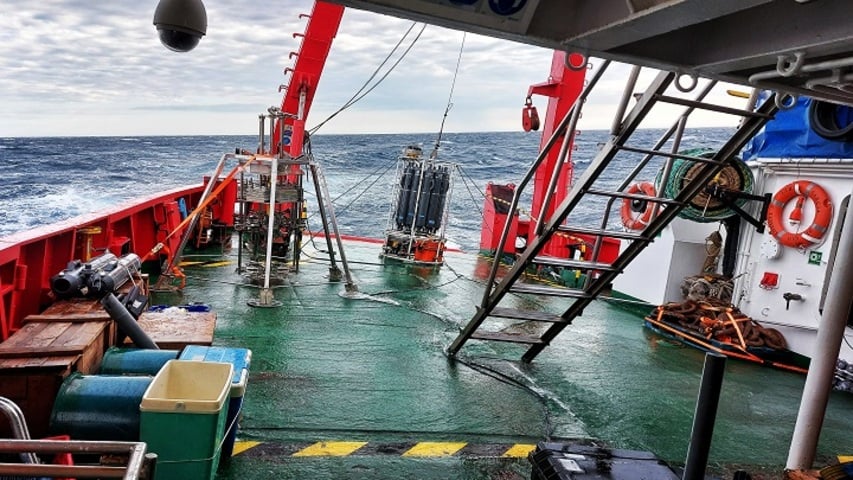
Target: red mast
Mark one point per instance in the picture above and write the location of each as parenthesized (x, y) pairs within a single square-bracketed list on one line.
[(562, 89)]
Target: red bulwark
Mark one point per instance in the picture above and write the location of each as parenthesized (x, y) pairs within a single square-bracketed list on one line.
[(28, 259)]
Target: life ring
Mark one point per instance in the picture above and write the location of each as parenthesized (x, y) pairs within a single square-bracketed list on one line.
[(822, 217), (637, 213)]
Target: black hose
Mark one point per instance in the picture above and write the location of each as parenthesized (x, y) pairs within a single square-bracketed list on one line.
[(127, 323), (826, 118)]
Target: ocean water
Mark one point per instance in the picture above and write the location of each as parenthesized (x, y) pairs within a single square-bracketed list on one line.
[(44, 180)]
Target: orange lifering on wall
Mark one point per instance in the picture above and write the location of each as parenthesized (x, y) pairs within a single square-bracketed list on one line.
[(637, 213), (822, 216)]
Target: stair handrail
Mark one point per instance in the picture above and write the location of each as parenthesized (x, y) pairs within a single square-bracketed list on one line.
[(575, 114), (561, 127), (18, 423), (656, 225), (676, 128), (140, 465)]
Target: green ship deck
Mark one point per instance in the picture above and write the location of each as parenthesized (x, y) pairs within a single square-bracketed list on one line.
[(371, 372)]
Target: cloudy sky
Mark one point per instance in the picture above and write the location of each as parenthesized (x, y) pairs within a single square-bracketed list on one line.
[(78, 67)]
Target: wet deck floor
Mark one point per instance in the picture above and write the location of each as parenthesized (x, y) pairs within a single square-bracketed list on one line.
[(373, 370)]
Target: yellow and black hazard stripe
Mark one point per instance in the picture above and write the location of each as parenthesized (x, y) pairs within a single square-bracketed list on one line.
[(401, 449)]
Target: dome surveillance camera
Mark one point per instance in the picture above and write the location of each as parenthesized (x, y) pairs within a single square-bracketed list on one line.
[(180, 23)]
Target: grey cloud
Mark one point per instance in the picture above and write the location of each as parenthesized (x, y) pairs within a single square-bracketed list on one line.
[(91, 57), (221, 107)]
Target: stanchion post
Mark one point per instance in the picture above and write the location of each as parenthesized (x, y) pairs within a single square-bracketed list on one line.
[(705, 416)]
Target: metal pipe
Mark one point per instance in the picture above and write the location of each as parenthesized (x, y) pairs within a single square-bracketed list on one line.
[(350, 284), (271, 221), (321, 201), (829, 81), (72, 446), (562, 158), (807, 68), (670, 161), (18, 423), (58, 471), (261, 131), (126, 322), (626, 97), (703, 419), (822, 367), (240, 231)]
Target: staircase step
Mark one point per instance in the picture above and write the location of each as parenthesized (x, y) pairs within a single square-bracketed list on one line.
[(710, 106), (549, 291), (633, 196), (507, 337), (501, 312), (567, 263), (597, 232), (662, 153)]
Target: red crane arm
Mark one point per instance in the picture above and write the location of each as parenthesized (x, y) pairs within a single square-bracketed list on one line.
[(305, 75)]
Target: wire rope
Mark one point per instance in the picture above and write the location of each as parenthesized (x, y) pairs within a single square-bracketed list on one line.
[(361, 93), (434, 153)]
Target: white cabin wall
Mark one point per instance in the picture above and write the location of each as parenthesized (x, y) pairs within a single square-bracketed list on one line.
[(656, 274), (799, 320)]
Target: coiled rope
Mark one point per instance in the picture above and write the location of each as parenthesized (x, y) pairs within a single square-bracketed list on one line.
[(704, 208)]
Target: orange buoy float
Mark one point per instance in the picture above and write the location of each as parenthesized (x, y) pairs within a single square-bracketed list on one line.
[(637, 213), (800, 190)]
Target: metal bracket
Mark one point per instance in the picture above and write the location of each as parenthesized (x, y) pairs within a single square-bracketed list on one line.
[(728, 197)]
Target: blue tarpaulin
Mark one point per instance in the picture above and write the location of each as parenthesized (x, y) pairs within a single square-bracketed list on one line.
[(790, 135)]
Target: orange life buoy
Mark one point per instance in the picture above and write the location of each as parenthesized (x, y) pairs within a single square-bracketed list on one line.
[(636, 213), (822, 216)]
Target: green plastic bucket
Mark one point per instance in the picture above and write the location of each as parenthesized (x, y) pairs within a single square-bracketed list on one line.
[(99, 407), (183, 416), (135, 361), (241, 359)]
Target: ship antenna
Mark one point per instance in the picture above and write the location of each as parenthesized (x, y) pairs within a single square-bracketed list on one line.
[(434, 154)]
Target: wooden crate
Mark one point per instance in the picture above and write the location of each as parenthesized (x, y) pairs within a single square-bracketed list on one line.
[(37, 358), (174, 328)]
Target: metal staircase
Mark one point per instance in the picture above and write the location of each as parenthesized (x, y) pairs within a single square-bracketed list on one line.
[(599, 275)]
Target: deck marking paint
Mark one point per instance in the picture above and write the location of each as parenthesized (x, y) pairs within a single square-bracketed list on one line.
[(330, 449), (519, 450), (240, 447), (217, 264), (434, 449), (471, 451)]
